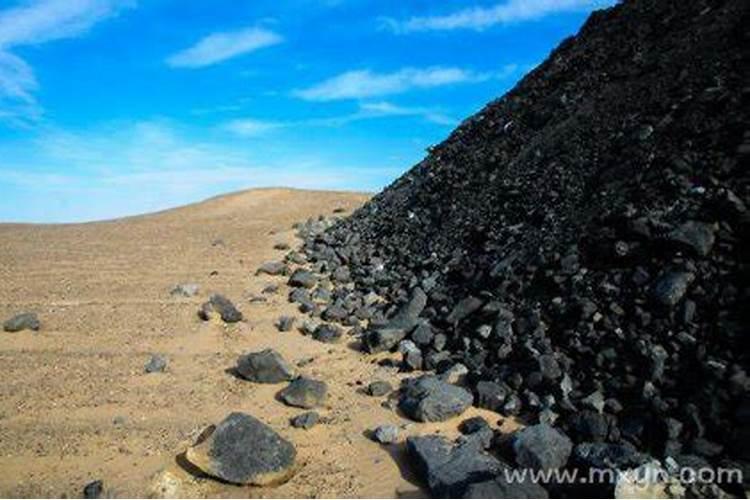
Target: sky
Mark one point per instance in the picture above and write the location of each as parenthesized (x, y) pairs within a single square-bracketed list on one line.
[(111, 108)]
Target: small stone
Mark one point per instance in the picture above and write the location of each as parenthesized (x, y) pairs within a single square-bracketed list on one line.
[(303, 278), (285, 323), (281, 246), (94, 489), (429, 399), (24, 321), (385, 434), (220, 306), (265, 367), (541, 447), (272, 268), (379, 388), (672, 286), (243, 450), (305, 420), (185, 290), (304, 393), (456, 374), (699, 237), (157, 363), (473, 425), (327, 333)]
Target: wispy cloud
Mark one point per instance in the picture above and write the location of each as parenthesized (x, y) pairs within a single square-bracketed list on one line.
[(252, 127), (362, 84), (480, 18), (218, 47), (34, 23)]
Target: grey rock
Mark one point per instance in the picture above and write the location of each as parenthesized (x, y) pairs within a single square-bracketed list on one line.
[(243, 450), (302, 278), (379, 388), (407, 316), (273, 268), (185, 290), (221, 306), (383, 339), (265, 367), (304, 393), (94, 489), (456, 374), (306, 420), (157, 363), (672, 286), (429, 399), (541, 447), (464, 308), (385, 434), (422, 334), (490, 395), (448, 470), (327, 333), (608, 456), (24, 321), (285, 323)]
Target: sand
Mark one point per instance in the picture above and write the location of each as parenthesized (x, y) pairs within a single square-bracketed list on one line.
[(76, 405)]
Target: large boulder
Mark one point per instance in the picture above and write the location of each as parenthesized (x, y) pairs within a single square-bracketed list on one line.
[(449, 469), (243, 450), (304, 393), (541, 447), (24, 321), (430, 399), (265, 367)]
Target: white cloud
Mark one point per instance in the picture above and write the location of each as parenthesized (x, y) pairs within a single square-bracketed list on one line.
[(480, 18), (362, 84), (251, 127), (219, 47), (33, 23)]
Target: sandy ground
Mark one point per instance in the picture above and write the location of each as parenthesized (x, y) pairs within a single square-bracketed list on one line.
[(76, 405)]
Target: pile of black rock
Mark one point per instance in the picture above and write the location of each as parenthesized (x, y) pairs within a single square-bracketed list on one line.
[(580, 245)]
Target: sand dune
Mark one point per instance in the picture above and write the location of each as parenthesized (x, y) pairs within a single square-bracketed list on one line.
[(75, 403)]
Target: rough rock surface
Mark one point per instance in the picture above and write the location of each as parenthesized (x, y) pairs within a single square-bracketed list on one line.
[(305, 393), (265, 367), (429, 399), (244, 450)]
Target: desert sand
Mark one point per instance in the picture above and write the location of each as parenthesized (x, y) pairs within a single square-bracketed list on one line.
[(76, 405)]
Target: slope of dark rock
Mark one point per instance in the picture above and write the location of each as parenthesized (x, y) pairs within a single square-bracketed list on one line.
[(582, 241)]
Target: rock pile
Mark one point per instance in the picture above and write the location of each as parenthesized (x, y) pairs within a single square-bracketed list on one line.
[(579, 246)]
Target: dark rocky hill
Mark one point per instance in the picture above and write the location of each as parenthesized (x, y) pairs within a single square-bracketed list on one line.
[(583, 240)]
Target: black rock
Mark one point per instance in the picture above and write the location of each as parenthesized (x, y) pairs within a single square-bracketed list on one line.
[(273, 268), (606, 456), (221, 306), (243, 450), (473, 424), (285, 323), (422, 334), (464, 309), (265, 367), (306, 420), (448, 470), (696, 236), (24, 321), (588, 425), (327, 333), (379, 388), (429, 399), (304, 393), (94, 489), (490, 395), (672, 286), (541, 447), (302, 278), (383, 339)]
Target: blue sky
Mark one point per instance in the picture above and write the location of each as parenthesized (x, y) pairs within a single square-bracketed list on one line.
[(118, 107)]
